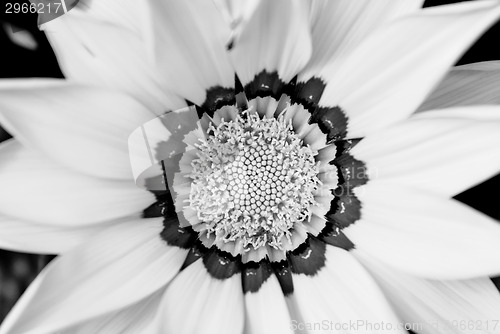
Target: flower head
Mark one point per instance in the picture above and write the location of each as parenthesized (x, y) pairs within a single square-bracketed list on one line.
[(289, 184), (253, 182)]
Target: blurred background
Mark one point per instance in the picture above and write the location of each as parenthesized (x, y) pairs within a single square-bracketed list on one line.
[(28, 54)]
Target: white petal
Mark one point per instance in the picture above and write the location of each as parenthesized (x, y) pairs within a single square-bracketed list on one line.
[(445, 151), (28, 237), (276, 39), (472, 113), (431, 307), (266, 310), (83, 128), (119, 267), (20, 37), (337, 27), (388, 76), (101, 43), (188, 41), (425, 234), (128, 14), (467, 85), (342, 298), (135, 319), (237, 14), (157, 146), (195, 303), (37, 189)]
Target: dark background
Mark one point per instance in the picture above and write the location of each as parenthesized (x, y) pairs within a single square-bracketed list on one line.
[(17, 270)]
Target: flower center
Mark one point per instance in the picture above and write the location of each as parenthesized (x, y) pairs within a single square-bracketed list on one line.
[(253, 180)]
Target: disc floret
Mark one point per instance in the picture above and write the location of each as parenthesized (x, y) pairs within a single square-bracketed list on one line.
[(253, 180)]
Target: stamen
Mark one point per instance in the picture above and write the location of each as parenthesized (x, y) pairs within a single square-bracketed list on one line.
[(253, 181)]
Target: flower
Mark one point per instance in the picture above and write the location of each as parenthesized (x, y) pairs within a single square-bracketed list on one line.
[(386, 246)]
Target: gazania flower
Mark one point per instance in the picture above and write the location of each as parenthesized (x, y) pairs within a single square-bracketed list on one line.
[(298, 189)]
